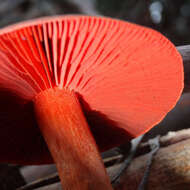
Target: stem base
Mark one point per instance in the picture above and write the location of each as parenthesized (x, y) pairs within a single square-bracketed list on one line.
[(70, 141)]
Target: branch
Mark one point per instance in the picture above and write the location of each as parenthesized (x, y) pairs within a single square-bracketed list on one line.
[(185, 53), (167, 140)]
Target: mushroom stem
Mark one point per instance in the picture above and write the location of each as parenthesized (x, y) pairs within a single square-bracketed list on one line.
[(70, 141)]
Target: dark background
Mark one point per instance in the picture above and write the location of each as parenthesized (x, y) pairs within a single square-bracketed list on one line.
[(170, 17)]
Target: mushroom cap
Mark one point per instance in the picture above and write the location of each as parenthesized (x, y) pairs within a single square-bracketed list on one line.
[(127, 78)]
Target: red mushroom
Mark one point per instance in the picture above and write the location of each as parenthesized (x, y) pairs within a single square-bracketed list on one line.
[(126, 78)]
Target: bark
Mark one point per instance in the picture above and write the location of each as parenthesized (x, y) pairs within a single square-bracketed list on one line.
[(170, 169)]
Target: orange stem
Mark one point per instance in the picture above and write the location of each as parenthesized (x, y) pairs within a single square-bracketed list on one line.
[(70, 141)]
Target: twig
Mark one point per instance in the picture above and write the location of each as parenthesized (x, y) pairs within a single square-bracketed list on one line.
[(171, 138), (154, 145), (41, 182), (127, 161)]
